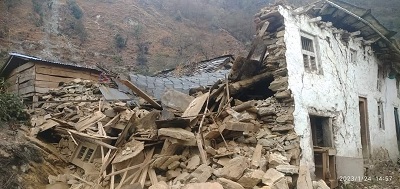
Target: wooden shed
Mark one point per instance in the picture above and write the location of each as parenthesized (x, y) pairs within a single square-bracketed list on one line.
[(29, 76)]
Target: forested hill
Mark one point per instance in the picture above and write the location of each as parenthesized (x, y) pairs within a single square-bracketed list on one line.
[(142, 35)]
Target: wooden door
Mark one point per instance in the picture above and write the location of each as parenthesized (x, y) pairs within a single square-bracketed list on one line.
[(364, 129), (396, 119)]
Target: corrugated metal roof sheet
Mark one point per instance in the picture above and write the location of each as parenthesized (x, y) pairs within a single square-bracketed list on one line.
[(16, 59), (204, 74)]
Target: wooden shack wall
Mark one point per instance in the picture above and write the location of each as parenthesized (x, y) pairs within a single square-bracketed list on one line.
[(49, 76), (32, 78), (22, 79)]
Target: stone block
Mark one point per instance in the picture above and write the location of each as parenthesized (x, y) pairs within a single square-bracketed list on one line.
[(193, 163), (173, 173), (206, 185), (239, 126), (272, 176), (281, 128), (265, 111), (279, 84), (285, 118), (288, 169), (283, 94), (320, 185), (160, 185), (251, 178), (280, 184), (229, 184), (202, 173), (235, 168), (276, 159)]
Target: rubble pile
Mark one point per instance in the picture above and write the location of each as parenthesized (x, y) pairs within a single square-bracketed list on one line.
[(221, 137)]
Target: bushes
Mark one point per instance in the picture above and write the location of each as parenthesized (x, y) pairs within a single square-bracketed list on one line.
[(11, 107), (75, 9), (11, 3), (38, 9), (120, 41)]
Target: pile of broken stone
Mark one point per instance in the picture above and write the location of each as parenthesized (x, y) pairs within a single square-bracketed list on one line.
[(211, 139), (200, 139)]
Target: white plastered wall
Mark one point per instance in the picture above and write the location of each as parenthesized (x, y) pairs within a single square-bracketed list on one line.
[(336, 92)]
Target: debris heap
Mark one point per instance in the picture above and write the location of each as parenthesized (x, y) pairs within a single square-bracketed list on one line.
[(239, 133)]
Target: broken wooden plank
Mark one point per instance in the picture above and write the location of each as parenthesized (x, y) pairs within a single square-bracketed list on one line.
[(243, 84), (143, 176), (153, 176), (112, 180), (126, 169), (203, 154), (139, 92), (195, 106), (149, 156), (256, 159), (177, 133), (48, 124), (134, 146), (89, 121), (122, 136), (64, 123), (112, 122)]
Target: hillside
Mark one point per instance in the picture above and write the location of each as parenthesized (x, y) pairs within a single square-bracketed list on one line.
[(122, 33), (141, 35)]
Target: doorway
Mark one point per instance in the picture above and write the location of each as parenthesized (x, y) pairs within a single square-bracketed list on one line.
[(324, 150), (364, 129), (396, 119)]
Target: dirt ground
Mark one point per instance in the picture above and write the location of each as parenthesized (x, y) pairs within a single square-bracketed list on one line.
[(384, 175), (23, 164)]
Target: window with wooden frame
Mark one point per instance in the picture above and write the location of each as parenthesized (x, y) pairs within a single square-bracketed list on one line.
[(85, 154), (309, 52), (381, 116)]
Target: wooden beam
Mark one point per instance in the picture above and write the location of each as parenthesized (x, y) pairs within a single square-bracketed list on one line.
[(237, 86), (316, 19), (140, 93)]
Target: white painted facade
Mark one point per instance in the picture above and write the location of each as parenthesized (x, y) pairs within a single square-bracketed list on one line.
[(337, 90)]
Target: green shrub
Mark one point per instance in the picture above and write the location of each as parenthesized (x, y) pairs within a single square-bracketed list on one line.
[(76, 10), (138, 31), (120, 41), (11, 106), (118, 60), (37, 7), (11, 3)]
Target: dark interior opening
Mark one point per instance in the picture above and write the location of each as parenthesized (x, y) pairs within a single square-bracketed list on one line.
[(258, 91), (49, 136), (321, 131)]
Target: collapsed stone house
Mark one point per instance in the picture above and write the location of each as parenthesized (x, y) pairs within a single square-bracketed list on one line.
[(340, 68), (322, 94)]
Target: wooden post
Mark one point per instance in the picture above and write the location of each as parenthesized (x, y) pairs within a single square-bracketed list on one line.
[(35, 99)]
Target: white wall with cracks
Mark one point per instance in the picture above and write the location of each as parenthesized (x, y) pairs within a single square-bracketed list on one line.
[(336, 91)]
